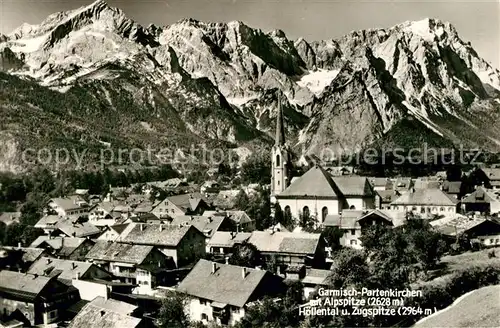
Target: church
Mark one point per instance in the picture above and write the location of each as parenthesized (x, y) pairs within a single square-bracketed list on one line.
[(316, 193)]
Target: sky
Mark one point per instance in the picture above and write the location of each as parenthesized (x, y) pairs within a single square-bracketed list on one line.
[(477, 21)]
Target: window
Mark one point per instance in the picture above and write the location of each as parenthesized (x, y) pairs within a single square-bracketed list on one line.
[(352, 207), (324, 213), (305, 212), (204, 316), (442, 209), (354, 242), (288, 212), (277, 160), (422, 209), (353, 232), (278, 182)]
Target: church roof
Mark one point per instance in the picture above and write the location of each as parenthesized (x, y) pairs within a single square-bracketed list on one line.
[(316, 183)]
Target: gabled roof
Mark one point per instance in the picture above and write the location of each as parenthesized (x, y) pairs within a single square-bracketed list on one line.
[(380, 182), (460, 224), (427, 197), (228, 239), (186, 202), (225, 286), (63, 269), (206, 224), (69, 203), (108, 313), (315, 182), (285, 242), (118, 252), (316, 277), (64, 246), (69, 227), (483, 196), (155, 234), (22, 285)]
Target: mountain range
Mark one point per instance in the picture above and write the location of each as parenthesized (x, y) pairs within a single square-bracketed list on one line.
[(92, 78)]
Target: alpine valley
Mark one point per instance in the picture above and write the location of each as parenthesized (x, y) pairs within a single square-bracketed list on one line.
[(92, 78)]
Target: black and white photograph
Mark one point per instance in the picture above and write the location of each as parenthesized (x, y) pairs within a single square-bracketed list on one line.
[(249, 163)]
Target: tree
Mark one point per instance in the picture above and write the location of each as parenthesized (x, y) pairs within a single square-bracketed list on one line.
[(332, 236), (171, 314), (246, 255), (278, 214), (350, 269), (242, 201), (257, 168), (20, 233), (259, 208)]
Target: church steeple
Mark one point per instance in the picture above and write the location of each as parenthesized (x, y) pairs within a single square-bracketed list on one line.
[(280, 128), (280, 156)]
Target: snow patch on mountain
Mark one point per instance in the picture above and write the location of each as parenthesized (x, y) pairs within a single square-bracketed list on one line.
[(317, 81)]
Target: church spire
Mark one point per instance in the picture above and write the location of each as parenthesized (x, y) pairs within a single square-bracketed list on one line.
[(280, 128)]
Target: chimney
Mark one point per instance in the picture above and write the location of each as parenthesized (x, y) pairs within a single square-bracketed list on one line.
[(244, 272), (141, 227), (103, 313), (48, 261), (214, 267), (77, 276), (227, 259), (73, 265), (19, 245), (232, 235), (161, 227), (35, 276)]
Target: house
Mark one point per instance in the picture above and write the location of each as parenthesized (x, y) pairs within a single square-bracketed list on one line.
[(222, 242), (317, 194), (185, 204), (10, 217), (135, 264), (19, 258), (71, 226), (289, 248), (313, 279), (353, 222), (109, 313), (222, 293), (185, 244), (452, 188), (67, 270), (69, 248), (426, 202), (484, 231), (34, 299), (482, 200), (208, 225), (72, 205), (240, 219), (90, 279), (490, 177), (105, 214), (111, 233)]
